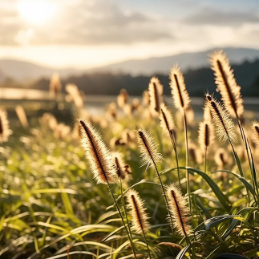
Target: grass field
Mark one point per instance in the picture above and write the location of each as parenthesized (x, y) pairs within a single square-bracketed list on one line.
[(52, 207)]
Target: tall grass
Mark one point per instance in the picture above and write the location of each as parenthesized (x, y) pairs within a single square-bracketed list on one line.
[(57, 204)]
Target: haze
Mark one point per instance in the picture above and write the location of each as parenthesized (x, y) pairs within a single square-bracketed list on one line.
[(92, 33)]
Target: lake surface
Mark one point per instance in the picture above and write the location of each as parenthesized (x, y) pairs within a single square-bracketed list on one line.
[(95, 104)]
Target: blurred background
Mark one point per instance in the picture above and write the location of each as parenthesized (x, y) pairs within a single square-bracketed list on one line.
[(102, 46)]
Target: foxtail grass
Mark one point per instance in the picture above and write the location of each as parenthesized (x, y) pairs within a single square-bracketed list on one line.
[(155, 90), (22, 116), (179, 210), (205, 134), (167, 124), (139, 216), (123, 171), (225, 128), (226, 83), (150, 156), (101, 162), (181, 102), (5, 131), (231, 97)]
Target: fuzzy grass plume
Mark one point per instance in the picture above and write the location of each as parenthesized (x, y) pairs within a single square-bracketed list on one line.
[(178, 210), (166, 120), (21, 116), (98, 154), (226, 83), (224, 125), (5, 131), (123, 170), (75, 95), (55, 85), (178, 89), (122, 98), (148, 148), (255, 128), (222, 158), (205, 135), (138, 212), (155, 90)]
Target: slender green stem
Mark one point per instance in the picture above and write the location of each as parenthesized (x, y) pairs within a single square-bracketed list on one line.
[(249, 154), (187, 160), (173, 140), (242, 132), (146, 244), (165, 196), (189, 243), (124, 208), (239, 168), (118, 209), (205, 160)]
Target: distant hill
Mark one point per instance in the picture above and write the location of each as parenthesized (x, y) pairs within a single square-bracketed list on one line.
[(185, 61), (198, 81), (3, 77), (22, 70)]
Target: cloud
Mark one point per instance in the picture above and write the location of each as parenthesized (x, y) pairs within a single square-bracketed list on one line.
[(98, 22), (208, 16)]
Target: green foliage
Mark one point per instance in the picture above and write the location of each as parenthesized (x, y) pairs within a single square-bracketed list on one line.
[(50, 205)]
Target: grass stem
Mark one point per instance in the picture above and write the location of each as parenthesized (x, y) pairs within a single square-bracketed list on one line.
[(187, 160), (118, 209), (173, 140)]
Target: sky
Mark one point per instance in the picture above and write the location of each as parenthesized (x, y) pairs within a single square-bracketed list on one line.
[(91, 33)]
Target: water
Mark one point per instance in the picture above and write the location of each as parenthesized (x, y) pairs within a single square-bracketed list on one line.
[(95, 104)]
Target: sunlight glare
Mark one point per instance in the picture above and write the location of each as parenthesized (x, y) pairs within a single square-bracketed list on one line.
[(36, 11)]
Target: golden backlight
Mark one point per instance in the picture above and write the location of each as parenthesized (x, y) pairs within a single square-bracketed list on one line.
[(36, 11)]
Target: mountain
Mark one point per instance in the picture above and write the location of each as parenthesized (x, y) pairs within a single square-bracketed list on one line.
[(198, 81), (2, 77), (185, 61), (21, 70)]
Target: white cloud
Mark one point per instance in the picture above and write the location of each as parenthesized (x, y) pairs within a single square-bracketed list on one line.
[(98, 23), (86, 33)]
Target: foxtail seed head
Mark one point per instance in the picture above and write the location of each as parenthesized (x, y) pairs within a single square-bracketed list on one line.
[(5, 132), (225, 127), (138, 212), (222, 158), (55, 85), (155, 90), (123, 170), (227, 86), (166, 120), (21, 116), (178, 89), (148, 148), (205, 135), (98, 154), (255, 128), (178, 210)]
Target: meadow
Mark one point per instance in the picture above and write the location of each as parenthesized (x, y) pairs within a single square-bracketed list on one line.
[(141, 180)]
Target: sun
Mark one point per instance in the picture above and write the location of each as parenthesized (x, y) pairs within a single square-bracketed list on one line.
[(36, 11)]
